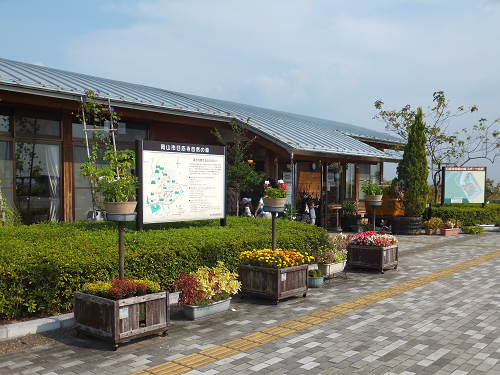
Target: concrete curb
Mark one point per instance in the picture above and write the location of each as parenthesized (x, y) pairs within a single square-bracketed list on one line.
[(11, 331)]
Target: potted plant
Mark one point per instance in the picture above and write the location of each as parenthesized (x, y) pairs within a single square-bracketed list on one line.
[(373, 250), (432, 225), (372, 191), (112, 178), (316, 278), (274, 274), (275, 196), (411, 186), (349, 214), (332, 259), (450, 227), (207, 291), (121, 310)]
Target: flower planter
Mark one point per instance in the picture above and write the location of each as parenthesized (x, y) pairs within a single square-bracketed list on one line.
[(374, 257), (274, 202), (331, 268), (122, 320), (273, 283), (316, 282), (120, 207), (406, 225), (430, 232), (198, 312), (448, 232), (372, 198)]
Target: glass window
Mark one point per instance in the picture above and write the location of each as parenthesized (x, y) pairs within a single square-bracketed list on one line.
[(7, 172), (83, 197), (38, 123), (350, 181), (38, 180), (5, 118), (368, 172), (126, 132)]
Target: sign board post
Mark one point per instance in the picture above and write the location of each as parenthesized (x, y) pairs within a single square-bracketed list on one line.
[(463, 185), (180, 182)]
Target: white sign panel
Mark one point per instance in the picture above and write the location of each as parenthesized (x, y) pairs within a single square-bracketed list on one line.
[(182, 182)]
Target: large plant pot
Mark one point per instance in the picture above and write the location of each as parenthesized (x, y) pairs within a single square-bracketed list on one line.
[(274, 202), (273, 283), (406, 225), (330, 269), (346, 222), (316, 282), (448, 232), (120, 207), (198, 312), (373, 257), (122, 320)]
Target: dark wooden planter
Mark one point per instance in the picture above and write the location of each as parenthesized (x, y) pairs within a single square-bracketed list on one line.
[(122, 320), (406, 225), (374, 257), (273, 283)]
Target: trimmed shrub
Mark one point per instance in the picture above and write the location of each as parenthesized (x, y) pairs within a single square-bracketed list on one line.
[(41, 266), (468, 214)]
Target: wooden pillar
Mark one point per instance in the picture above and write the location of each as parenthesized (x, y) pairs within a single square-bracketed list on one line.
[(67, 168), (269, 163)]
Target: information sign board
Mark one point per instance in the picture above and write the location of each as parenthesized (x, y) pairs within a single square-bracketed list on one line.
[(180, 182), (463, 185)]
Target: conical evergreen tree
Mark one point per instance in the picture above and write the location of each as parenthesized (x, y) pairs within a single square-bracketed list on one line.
[(412, 171)]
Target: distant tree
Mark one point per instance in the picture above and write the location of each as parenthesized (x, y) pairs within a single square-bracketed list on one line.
[(491, 190), (482, 141), (412, 172), (241, 175)]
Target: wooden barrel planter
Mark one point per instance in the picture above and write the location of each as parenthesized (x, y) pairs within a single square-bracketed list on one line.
[(373, 257), (122, 320), (406, 225), (273, 283)]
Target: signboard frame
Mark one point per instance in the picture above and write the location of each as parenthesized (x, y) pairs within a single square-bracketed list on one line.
[(445, 194), (176, 148)]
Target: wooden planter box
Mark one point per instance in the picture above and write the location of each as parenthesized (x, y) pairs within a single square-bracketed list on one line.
[(274, 283), (449, 232), (122, 320), (374, 257)]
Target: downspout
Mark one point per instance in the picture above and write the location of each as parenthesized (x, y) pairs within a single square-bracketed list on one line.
[(292, 169)]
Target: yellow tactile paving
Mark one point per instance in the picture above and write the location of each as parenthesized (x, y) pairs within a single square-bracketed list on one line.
[(193, 360), (219, 352), (196, 360), (241, 344), (279, 331)]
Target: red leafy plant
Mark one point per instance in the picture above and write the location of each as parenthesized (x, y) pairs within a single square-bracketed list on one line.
[(118, 289)]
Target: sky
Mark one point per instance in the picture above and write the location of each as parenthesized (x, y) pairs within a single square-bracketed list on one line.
[(323, 58)]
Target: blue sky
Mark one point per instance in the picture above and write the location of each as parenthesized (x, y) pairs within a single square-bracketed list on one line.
[(329, 59)]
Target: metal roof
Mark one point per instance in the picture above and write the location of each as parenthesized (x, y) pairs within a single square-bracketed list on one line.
[(302, 135)]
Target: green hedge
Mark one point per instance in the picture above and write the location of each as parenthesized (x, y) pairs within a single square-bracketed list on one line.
[(42, 265), (468, 214)]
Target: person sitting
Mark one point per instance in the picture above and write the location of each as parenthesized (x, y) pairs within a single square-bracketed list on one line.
[(247, 207)]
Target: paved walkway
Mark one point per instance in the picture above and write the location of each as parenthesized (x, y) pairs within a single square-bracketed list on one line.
[(438, 313)]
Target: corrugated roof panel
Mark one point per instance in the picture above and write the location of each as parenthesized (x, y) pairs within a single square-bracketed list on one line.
[(293, 132)]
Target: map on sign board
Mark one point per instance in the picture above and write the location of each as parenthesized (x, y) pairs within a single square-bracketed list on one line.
[(464, 184), (182, 185)]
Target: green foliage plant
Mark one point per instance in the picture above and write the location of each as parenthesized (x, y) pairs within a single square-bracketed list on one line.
[(207, 285), (241, 174), (330, 254), (412, 172), (476, 230), (369, 187), (349, 208), (315, 273), (113, 179), (433, 223)]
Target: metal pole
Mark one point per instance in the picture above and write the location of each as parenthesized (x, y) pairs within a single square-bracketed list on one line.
[(121, 250)]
